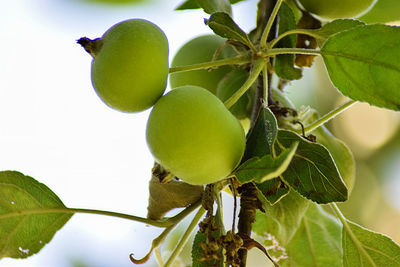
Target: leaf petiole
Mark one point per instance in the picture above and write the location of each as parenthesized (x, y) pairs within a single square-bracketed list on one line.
[(270, 22), (238, 60), (165, 223), (296, 31), (185, 237), (255, 71), (288, 51), (330, 115)]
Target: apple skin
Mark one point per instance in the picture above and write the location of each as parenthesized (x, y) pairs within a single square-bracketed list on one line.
[(130, 68), (198, 50), (336, 9), (192, 134)]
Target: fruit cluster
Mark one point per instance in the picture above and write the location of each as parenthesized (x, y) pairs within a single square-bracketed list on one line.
[(189, 131)]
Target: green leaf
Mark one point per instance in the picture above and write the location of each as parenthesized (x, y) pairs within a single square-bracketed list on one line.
[(317, 241), (262, 136), (362, 247), (364, 64), (192, 4), (284, 64), (341, 154), (382, 12), (223, 25), (271, 191), (312, 171), (282, 219), (213, 6), (334, 27), (23, 234), (265, 168), (188, 4)]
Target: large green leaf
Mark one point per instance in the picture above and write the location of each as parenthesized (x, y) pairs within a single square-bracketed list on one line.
[(282, 219), (334, 27), (341, 154), (265, 168), (22, 233), (223, 25), (364, 64), (382, 12), (312, 171), (284, 64), (362, 247), (317, 241)]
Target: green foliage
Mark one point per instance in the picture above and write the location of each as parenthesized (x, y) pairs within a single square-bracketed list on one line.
[(271, 191), (341, 154), (24, 229), (333, 27), (262, 136), (317, 241), (223, 25), (312, 171), (283, 218), (284, 64), (369, 69), (362, 247), (265, 168)]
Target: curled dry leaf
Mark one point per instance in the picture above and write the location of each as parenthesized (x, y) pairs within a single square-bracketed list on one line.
[(168, 196), (305, 41)]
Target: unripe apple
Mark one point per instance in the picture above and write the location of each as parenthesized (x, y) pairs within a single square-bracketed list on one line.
[(336, 9), (199, 50), (192, 134), (130, 65)]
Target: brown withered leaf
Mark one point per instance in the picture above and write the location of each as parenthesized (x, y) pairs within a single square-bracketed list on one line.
[(168, 196), (306, 41)]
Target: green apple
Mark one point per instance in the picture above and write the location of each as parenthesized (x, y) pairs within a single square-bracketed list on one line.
[(198, 50), (192, 134), (130, 65), (337, 9)]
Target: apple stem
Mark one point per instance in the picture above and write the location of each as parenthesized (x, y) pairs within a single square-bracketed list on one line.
[(91, 46)]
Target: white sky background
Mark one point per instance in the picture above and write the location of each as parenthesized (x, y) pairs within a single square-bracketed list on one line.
[(54, 128)]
